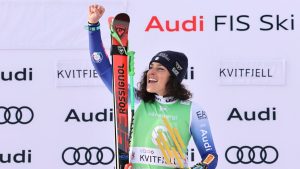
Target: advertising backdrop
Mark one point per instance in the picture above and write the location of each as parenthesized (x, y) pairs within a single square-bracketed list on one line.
[(243, 70)]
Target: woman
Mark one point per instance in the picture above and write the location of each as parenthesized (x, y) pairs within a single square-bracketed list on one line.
[(163, 101)]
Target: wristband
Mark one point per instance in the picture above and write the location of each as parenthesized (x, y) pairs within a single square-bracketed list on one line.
[(92, 27)]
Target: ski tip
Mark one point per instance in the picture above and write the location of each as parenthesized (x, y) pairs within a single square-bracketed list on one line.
[(122, 17)]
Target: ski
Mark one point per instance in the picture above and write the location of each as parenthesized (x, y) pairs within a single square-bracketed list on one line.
[(119, 45)]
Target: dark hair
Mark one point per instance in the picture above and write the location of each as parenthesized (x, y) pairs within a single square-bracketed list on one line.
[(173, 87)]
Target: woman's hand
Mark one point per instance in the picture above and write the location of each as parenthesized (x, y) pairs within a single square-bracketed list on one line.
[(95, 13)]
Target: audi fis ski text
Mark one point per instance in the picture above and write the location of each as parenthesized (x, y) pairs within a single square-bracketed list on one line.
[(267, 22)]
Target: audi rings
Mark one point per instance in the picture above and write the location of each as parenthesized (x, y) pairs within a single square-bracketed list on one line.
[(256, 154), (83, 155), (14, 115)]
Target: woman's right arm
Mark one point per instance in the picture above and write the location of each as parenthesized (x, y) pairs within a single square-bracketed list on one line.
[(98, 55)]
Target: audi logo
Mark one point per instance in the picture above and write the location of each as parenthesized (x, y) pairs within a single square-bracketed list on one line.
[(14, 115), (256, 154), (83, 155)]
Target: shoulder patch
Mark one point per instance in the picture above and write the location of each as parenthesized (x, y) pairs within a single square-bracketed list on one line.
[(97, 57)]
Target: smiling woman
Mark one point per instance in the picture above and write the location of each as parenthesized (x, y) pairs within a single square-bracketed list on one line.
[(157, 77), (166, 72), (165, 119)]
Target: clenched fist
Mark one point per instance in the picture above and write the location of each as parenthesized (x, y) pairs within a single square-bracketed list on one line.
[(95, 13)]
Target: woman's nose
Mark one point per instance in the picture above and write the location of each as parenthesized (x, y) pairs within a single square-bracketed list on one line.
[(151, 71)]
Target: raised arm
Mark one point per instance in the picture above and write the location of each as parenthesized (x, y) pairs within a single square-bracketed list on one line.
[(98, 55)]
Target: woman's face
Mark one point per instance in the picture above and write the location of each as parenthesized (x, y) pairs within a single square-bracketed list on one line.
[(157, 78)]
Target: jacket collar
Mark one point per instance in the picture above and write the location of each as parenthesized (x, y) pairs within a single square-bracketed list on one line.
[(165, 100)]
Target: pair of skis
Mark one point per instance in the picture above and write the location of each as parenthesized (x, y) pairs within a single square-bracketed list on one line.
[(122, 60)]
